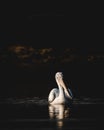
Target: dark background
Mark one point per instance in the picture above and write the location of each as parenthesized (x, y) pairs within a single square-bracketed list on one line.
[(29, 71), (35, 27)]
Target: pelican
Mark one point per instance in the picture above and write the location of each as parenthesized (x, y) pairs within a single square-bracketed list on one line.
[(62, 94)]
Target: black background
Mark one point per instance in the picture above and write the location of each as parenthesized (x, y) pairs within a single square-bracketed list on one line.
[(43, 25)]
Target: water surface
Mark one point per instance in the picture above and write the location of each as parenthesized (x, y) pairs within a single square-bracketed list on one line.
[(35, 113)]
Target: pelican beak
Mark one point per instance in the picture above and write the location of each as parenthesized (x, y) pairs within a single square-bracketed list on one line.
[(62, 84)]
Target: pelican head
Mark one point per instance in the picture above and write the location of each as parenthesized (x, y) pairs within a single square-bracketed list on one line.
[(59, 76)]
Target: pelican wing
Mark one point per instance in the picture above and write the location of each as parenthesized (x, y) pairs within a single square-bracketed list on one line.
[(53, 94)]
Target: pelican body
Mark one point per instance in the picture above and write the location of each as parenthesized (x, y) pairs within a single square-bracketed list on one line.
[(62, 94)]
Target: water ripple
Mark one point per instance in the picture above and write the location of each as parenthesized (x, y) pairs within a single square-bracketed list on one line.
[(44, 101)]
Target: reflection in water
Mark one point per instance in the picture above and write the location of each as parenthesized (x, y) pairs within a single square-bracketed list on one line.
[(58, 112)]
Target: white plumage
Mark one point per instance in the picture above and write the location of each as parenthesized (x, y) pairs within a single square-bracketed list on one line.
[(62, 94)]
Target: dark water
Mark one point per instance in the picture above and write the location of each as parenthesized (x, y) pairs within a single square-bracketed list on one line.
[(35, 114)]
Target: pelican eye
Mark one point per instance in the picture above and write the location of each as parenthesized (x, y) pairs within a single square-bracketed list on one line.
[(61, 75)]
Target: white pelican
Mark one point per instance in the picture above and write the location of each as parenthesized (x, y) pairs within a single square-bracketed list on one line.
[(62, 94)]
